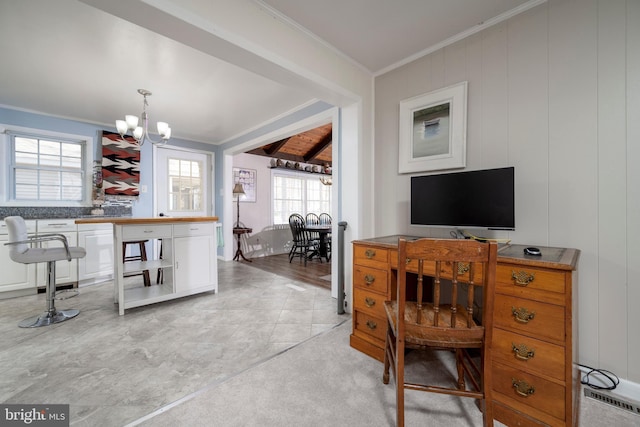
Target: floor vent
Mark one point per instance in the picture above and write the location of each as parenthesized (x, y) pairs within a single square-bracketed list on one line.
[(630, 406)]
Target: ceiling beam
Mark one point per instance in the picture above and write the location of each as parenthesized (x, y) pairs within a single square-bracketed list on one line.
[(319, 147)]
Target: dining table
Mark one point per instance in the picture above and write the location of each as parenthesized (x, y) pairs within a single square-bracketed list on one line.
[(323, 231)]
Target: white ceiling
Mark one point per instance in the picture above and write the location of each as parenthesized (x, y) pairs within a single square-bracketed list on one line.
[(67, 59)]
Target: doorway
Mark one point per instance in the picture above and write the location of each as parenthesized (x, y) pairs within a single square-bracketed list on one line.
[(183, 182)]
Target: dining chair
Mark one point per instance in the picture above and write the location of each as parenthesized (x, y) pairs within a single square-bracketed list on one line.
[(302, 244), (458, 269), (324, 218), (23, 249)]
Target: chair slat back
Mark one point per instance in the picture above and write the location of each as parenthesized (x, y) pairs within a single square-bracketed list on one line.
[(296, 224), (325, 219), (451, 263), (312, 219)]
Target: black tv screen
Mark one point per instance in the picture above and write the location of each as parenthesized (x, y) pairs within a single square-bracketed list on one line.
[(479, 199)]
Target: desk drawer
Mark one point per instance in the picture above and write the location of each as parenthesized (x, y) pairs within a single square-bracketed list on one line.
[(370, 256), (373, 326), (530, 282), (532, 318), (142, 232), (369, 302), (371, 279), (532, 391), (531, 355)]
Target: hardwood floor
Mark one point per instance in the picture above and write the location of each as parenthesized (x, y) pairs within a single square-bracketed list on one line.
[(296, 270)]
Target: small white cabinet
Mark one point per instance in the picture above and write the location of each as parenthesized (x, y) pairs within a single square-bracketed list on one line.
[(97, 265), (195, 257), (15, 276)]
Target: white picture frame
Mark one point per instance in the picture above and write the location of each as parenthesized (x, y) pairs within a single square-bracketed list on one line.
[(433, 130), (246, 177)]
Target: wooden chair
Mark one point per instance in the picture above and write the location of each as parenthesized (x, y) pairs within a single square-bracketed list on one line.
[(303, 246), (324, 219), (462, 266)]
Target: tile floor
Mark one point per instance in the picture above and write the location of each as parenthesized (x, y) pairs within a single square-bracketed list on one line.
[(114, 369)]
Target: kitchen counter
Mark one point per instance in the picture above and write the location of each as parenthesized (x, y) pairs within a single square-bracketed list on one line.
[(183, 252), (152, 220)]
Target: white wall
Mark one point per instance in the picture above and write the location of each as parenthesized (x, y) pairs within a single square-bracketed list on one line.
[(265, 239), (554, 92)]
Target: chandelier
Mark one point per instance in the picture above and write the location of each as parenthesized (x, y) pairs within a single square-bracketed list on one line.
[(141, 133)]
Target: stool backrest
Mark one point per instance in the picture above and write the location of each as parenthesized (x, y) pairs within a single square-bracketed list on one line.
[(17, 229)]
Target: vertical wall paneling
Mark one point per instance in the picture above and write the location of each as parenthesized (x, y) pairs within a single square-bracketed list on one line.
[(612, 272), (528, 121), (573, 154), (455, 63), (554, 91), (438, 70), (475, 143), (633, 187), (495, 107)]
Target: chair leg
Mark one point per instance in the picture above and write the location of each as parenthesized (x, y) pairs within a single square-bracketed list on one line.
[(52, 315), (460, 366), (387, 363), (399, 352)]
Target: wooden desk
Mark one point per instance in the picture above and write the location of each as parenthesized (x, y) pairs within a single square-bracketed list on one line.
[(535, 335)]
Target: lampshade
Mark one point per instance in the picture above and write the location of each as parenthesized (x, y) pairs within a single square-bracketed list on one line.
[(238, 189)]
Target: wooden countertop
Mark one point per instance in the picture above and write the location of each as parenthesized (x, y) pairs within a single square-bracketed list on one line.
[(154, 220)]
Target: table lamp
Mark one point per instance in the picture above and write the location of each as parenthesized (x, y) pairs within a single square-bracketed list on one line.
[(238, 190)]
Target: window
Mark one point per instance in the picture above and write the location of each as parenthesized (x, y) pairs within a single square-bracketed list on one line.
[(47, 169), (298, 193), (185, 188)]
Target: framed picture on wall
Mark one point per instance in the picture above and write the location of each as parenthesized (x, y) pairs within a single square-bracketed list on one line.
[(246, 177), (433, 130)]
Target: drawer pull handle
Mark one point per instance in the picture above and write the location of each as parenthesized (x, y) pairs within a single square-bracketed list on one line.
[(369, 279), (369, 302), (369, 253), (522, 315), (522, 388), (148, 231), (522, 278), (371, 324), (522, 352)]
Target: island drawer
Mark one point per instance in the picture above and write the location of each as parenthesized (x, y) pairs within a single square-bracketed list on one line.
[(143, 232)]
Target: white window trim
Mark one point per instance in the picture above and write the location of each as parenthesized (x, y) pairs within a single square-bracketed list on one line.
[(5, 166), (292, 173)]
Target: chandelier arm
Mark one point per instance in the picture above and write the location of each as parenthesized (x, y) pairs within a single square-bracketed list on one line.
[(141, 133)]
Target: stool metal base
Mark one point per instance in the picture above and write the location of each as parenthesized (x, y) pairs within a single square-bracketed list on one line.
[(47, 318)]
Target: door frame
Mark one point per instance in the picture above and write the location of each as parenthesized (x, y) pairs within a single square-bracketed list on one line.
[(210, 179), (331, 115)]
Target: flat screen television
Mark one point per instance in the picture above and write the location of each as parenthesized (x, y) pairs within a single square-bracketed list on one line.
[(475, 199)]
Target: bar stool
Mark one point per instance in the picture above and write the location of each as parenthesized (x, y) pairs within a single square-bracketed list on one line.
[(142, 256), (22, 251)]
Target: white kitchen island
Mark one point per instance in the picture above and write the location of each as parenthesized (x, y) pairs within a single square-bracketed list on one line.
[(188, 262)]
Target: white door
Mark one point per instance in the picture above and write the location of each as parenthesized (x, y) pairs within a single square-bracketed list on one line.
[(183, 182)]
